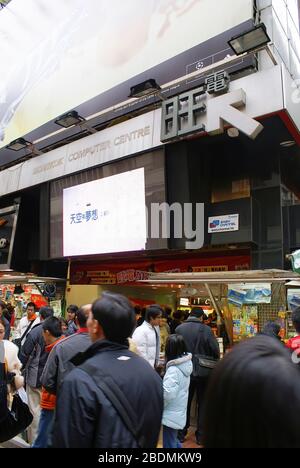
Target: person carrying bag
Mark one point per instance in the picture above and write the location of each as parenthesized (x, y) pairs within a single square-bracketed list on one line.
[(15, 420), (18, 341)]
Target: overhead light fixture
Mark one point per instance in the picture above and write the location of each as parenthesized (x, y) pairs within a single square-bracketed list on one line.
[(69, 119), (233, 132), (144, 89), (287, 143), (250, 40), (18, 144)]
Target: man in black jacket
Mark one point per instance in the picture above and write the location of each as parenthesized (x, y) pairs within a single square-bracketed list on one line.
[(197, 335), (89, 414), (58, 363)]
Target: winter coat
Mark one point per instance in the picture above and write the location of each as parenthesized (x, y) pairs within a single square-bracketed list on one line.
[(48, 400), (59, 362), (147, 340), (190, 330), (33, 356), (6, 327), (71, 328), (176, 384), (164, 331), (85, 417), (11, 357)]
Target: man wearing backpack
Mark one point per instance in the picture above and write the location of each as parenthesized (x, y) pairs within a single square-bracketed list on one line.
[(199, 340), (113, 398)]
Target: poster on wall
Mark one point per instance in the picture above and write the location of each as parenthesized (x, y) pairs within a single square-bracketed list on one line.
[(56, 306), (106, 215)]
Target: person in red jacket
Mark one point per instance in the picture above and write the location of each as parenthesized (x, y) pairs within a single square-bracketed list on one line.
[(52, 334), (294, 343)]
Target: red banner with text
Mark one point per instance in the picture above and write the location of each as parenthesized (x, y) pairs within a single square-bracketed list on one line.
[(126, 273)]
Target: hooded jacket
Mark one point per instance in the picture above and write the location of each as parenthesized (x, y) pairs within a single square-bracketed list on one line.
[(176, 384), (86, 418)]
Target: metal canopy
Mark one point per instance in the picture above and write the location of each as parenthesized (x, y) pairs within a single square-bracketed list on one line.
[(28, 279), (246, 276)]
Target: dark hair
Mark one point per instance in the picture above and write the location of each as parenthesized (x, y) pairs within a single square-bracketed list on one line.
[(296, 319), (53, 325), (116, 316), (46, 312), (246, 395), (31, 304), (175, 347), (152, 312), (2, 305), (63, 321), (72, 308), (82, 316), (197, 312), (271, 329), (168, 311), (137, 310), (177, 315)]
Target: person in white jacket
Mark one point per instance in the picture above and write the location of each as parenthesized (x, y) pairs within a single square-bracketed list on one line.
[(147, 336), (12, 362), (30, 318)]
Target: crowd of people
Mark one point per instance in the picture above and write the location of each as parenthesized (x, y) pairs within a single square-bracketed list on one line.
[(111, 376)]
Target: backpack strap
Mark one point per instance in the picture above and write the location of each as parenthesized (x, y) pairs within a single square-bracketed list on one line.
[(119, 401), (27, 330)]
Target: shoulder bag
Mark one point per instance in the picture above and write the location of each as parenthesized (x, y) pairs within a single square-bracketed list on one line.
[(202, 364)]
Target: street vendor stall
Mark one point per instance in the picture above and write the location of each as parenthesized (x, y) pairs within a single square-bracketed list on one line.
[(17, 289), (243, 300)]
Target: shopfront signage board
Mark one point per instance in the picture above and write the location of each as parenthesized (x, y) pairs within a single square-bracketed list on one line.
[(223, 223)]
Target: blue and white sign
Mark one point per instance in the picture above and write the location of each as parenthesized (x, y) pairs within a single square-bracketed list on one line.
[(223, 223)]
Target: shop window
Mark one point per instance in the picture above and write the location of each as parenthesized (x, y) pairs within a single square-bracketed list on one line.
[(224, 190)]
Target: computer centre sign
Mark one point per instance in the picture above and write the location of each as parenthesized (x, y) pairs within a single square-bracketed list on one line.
[(206, 109)]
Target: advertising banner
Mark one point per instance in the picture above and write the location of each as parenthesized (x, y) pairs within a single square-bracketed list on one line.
[(78, 50), (126, 273)]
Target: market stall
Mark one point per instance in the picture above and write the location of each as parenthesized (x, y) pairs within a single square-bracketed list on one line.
[(243, 300), (17, 289)]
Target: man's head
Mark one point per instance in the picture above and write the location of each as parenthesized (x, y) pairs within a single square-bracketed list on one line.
[(30, 310), (46, 312), (138, 312), (112, 317), (82, 315), (153, 314), (296, 319), (71, 312), (198, 313), (51, 329)]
